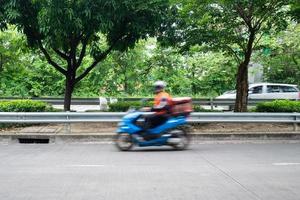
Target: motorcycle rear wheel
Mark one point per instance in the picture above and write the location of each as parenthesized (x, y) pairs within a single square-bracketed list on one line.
[(124, 141), (184, 140)]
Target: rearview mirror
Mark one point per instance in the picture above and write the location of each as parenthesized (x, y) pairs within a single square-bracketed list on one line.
[(143, 101)]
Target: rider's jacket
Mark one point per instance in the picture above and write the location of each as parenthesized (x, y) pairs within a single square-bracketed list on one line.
[(162, 103)]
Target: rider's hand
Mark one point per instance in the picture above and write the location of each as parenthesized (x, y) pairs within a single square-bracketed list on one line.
[(145, 109)]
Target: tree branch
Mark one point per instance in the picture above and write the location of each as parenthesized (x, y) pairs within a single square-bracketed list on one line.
[(243, 15), (96, 61), (265, 15), (82, 53), (50, 61), (233, 53), (61, 54), (257, 41), (146, 71), (239, 40), (74, 42), (295, 61)]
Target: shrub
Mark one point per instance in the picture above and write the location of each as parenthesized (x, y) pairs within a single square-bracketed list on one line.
[(278, 106), (25, 106), (123, 106)]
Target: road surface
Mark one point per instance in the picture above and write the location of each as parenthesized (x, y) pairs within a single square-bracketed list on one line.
[(98, 171)]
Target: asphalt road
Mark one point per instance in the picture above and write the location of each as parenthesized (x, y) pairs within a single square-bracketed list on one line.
[(98, 171)]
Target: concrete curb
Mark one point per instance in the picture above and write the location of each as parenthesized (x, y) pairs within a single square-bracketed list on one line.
[(108, 137)]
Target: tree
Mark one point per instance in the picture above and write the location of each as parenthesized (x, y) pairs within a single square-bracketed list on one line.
[(295, 10), (2, 16), (73, 29), (234, 26), (2, 27), (210, 73), (12, 49), (282, 60), (129, 66)]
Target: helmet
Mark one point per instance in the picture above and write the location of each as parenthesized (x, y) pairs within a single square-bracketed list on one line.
[(160, 84)]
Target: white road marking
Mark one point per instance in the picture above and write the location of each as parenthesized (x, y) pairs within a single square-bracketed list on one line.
[(86, 165), (285, 164)]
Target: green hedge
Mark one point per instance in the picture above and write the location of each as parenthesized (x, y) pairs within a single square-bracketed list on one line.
[(25, 106), (123, 106), (278, 106)]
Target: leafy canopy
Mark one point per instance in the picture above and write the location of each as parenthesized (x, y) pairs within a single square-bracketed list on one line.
[(2, 19), (63, 26), (225, 24)]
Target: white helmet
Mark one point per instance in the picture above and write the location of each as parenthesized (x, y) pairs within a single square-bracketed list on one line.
[(160, 84)]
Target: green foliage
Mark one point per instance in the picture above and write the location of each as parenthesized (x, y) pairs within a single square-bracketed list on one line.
[(210, 73), (124, 106), (196, 70), (282, 65), (166, 64), (3, 22), (295, 10), (67, 31), (232, 26), (224, 24), (24, 73), (61, 22), (12, 49), (24, 106), (279, 106), (128, 72)]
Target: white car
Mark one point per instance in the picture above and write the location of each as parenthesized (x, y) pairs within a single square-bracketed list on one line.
[(267, 91)]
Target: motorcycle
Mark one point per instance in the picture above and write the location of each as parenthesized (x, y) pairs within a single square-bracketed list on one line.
[(174, 132)]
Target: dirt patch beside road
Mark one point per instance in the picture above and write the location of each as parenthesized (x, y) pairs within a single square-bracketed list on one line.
[(100, 128), (243, 127)]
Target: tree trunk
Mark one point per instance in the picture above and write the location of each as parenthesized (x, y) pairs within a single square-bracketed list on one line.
[(1, 62), (241, 100), (126, 84), (242, 88), (68, 93), (193, 83)]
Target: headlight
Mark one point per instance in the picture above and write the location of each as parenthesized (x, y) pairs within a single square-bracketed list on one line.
[(121, 124)]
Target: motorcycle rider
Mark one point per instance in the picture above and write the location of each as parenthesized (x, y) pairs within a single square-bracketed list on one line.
[(162, 106)]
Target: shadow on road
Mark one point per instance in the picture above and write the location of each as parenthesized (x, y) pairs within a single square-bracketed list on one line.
[(157, 149)]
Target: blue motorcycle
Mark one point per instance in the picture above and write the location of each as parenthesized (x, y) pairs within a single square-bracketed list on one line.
[(174, 132)]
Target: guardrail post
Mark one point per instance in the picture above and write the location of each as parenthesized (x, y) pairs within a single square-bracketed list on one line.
[(211, 103), (295, 124), (67, 126)]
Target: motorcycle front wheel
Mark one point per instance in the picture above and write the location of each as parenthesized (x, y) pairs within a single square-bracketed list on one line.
[(124, 141)]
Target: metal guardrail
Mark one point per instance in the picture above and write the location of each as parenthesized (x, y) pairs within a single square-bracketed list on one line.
[(69, 117), (95, 101), (73, 117)]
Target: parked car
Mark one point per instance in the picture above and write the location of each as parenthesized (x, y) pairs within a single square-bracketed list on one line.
[(267, 91)]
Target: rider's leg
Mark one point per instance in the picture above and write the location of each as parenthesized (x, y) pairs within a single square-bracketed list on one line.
[(151, 122)]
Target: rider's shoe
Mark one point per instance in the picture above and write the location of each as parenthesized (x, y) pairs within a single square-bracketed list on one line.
[(139, 138), (174, 140)]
